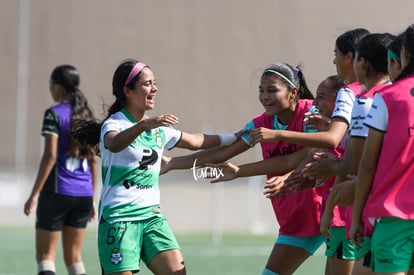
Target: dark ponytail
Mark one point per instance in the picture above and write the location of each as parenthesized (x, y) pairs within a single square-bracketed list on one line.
[(304, 92), (67, 76), (87, 132)]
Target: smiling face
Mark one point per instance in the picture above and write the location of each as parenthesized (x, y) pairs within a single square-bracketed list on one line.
[(275, 95), (141, 98), (325, 98)]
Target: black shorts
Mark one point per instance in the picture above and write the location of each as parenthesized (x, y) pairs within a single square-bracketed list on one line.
[(54, 211)]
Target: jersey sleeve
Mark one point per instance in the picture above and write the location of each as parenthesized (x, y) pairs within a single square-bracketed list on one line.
[(359, 113), (50, 124), (110, 125), (377, 117), (172, 137), (248, 126), (343, 105)]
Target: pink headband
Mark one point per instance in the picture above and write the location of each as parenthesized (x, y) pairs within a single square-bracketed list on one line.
[(135, 70)]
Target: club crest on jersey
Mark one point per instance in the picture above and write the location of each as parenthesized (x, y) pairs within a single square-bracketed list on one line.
[(116, 256), (158, 139)]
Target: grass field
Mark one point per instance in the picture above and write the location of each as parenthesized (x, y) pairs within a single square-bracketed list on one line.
[(239, 254)]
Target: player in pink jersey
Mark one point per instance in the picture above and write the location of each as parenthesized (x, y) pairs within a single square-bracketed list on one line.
[(386, 175), (330, 139), (334, 136), (282, 92), (371, 70), (339, 252), (394, 59)]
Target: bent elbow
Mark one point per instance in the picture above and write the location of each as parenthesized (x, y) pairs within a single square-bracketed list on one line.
[(333, 142), (332, 145), (114, 149)]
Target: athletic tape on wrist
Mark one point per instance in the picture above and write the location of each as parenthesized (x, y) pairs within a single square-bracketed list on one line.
[(227, 139)]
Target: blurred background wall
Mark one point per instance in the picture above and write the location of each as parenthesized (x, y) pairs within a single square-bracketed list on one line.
[(207, 57)]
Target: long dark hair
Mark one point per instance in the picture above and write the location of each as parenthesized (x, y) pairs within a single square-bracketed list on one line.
[(347, 41), (408, 44), (373, 47), (67, 76), (88, 132)]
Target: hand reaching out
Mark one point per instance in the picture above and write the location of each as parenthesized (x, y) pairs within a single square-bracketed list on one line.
[(262, 134), (323, 166), (317, 122), (275, 186), (227, 171), (158, 121), (296, 182)]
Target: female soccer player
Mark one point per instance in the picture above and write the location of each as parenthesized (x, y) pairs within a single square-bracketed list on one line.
[(65, 181), (386, 175), (286, 99), (131, 224)]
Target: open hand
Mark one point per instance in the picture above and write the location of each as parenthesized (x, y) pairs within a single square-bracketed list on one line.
[(225, 171)]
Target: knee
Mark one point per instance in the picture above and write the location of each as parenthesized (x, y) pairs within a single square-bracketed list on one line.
[(71, 257)]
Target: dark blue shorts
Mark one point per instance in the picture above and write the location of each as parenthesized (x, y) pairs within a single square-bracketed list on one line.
[(54, 211)]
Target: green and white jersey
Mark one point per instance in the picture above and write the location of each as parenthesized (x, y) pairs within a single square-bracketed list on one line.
[(130, 188)]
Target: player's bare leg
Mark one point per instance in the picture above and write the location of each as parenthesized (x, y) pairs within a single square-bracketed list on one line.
[(285, 259), (167, 263)]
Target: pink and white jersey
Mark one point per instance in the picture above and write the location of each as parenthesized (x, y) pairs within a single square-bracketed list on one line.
[(360, 110), (298, 214), (358, 129), (393, 185), (344, 103)]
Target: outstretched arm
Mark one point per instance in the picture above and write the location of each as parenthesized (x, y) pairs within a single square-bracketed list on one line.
[(275, 165), (213, 155), (204, 141), (118, 141), (329, 139)]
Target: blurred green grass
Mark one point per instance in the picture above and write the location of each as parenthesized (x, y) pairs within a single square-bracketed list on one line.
[(235, 253)]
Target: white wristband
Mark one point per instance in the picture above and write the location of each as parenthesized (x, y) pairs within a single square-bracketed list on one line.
[(227, 139)]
